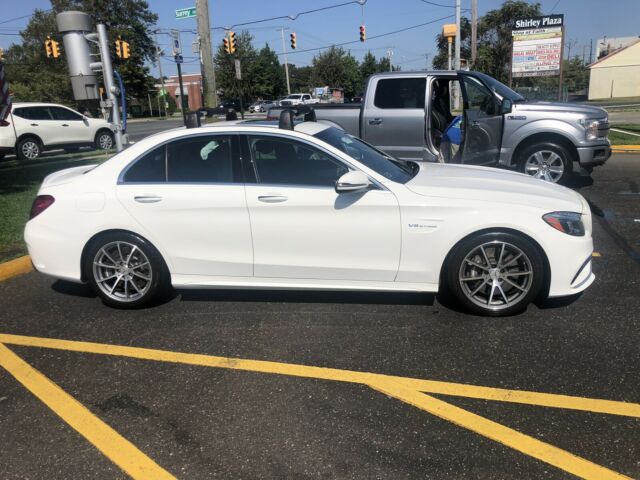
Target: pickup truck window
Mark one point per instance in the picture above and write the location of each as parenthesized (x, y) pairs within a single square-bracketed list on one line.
[(390, 168), (400, 93)]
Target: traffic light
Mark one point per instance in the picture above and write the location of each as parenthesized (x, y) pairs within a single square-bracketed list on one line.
[(52, 48), (232, 42), (225, 44), (119, 47), (126, 50), (363, 33), (293, 41)]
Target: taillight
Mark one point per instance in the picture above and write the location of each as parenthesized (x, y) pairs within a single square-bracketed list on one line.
[(40, 204)]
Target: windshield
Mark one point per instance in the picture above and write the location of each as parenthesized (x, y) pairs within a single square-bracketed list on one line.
[(391, 168), (500, 88)]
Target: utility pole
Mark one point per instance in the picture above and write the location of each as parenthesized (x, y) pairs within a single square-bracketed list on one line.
[(590, 51), (109, 85), (206, 54), (474, 31), (389, 55), (158, 55), (457, 34), (286, 65)]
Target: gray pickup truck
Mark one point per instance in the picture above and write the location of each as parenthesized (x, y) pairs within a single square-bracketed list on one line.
[(406, 113)]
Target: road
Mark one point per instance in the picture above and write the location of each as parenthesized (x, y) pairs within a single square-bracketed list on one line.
[(217, 416), (140, 129)]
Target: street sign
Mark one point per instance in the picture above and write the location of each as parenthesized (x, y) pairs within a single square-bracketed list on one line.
[(178, 58), (176, 45), (186, 13), (238, 71)]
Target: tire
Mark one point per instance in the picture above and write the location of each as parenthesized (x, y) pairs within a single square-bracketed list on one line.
[(125, 270), (485, 284), (104, 140), (28, 148), (548, 161)]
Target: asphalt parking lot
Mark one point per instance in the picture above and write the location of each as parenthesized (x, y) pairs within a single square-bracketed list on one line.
[(230, 384)]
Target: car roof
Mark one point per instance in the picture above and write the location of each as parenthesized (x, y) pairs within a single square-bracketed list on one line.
[(37, 104), (310, 128)]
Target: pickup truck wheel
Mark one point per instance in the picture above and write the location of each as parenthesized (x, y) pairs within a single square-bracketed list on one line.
[(547, 161), (28, 148), (494, 273)]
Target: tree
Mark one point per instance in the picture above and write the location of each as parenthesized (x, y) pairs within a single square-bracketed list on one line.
[(268, 76), (226, 71), (337, 69), (35, 77), (369, 66), (299, 78)]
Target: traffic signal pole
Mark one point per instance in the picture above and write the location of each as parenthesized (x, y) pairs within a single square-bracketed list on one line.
[(182, 108), (109, 84), (286, 65)]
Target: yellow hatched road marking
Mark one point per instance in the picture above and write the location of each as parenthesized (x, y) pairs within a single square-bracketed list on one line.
[(409, 390), (113, 445)]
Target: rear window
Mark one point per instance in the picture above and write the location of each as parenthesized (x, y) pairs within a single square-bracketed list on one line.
[(33, 113), (148, 169), (400, 93)]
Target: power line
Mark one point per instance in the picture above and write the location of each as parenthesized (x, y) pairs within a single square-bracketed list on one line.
[(24, 16), (373, 36), (437, 4), (554, 7)]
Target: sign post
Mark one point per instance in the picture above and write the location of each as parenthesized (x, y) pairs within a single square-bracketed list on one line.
[(176, 47), (537, 47), (236, 63)]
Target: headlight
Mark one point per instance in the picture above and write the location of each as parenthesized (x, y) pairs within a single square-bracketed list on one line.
[(595, 128), (591, 129), (566, 222)]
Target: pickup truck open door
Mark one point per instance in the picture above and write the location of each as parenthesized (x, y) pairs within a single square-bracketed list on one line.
[(482, 124)]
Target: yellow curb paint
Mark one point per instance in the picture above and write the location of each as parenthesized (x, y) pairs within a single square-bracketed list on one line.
[(610, 407), (114, 446), (596, 254), (15, 267), (507, 436)]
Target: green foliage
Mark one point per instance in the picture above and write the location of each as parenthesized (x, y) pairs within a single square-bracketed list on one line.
[(226, 72), (299, 78), (34, 77), (368, 66), (337, 69), (170, 102), (268, 77)]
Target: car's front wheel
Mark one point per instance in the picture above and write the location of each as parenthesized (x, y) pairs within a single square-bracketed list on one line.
[(495, 273), (104, 140), (125, 270)]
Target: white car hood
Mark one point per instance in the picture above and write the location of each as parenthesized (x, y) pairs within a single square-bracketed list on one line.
[(493, 185)]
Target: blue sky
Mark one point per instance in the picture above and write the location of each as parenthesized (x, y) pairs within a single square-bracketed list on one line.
[(585, 20)]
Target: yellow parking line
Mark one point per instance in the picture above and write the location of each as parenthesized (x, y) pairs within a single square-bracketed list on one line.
[(15, 267), (611, 407), (409, 390), (495, 431), (114, 446)]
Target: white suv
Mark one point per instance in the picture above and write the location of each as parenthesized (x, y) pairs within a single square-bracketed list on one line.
[(32, 128)]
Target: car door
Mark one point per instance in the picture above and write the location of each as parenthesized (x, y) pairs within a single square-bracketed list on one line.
[(71, 125), (188, 196), (303, 229), (394, 116), (39, 121), (482, 124)]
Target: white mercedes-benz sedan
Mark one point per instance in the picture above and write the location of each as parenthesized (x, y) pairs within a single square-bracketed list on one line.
[(241, 205)]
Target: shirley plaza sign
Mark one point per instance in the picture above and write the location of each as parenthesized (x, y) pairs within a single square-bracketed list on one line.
[(537, 45)]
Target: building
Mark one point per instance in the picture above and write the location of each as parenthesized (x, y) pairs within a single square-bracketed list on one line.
[(192, 86), (616, 75)]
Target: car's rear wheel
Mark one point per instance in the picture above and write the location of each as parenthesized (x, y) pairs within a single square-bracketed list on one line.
[(548, 161), (28, 148), (104, 140), (125, 270), (495, 274)]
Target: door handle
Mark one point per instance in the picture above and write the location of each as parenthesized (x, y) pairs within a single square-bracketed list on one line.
[(65, 124), (147, 198), (375, 121), (272, 198), (34, 124), (475, 124)]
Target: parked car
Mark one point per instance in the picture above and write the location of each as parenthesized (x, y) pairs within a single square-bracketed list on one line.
[(32, 128), (406, 114), (306, 208), (222, 108), (298, 99), (262, 106)]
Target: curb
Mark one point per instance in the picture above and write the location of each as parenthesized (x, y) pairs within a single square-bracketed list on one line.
[(13, 268), (625, 148)]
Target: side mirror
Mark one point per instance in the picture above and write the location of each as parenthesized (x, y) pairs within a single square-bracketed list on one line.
[(354, 181), (506, 106)]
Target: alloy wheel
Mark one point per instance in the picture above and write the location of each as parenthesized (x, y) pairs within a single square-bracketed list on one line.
[(30, 149), (105, 141), (122, 271), (496, 275), (546, 165)]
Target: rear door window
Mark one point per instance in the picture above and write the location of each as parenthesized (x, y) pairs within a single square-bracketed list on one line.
[(400, 93), (149, 168), (60, 113), (202, 159)]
